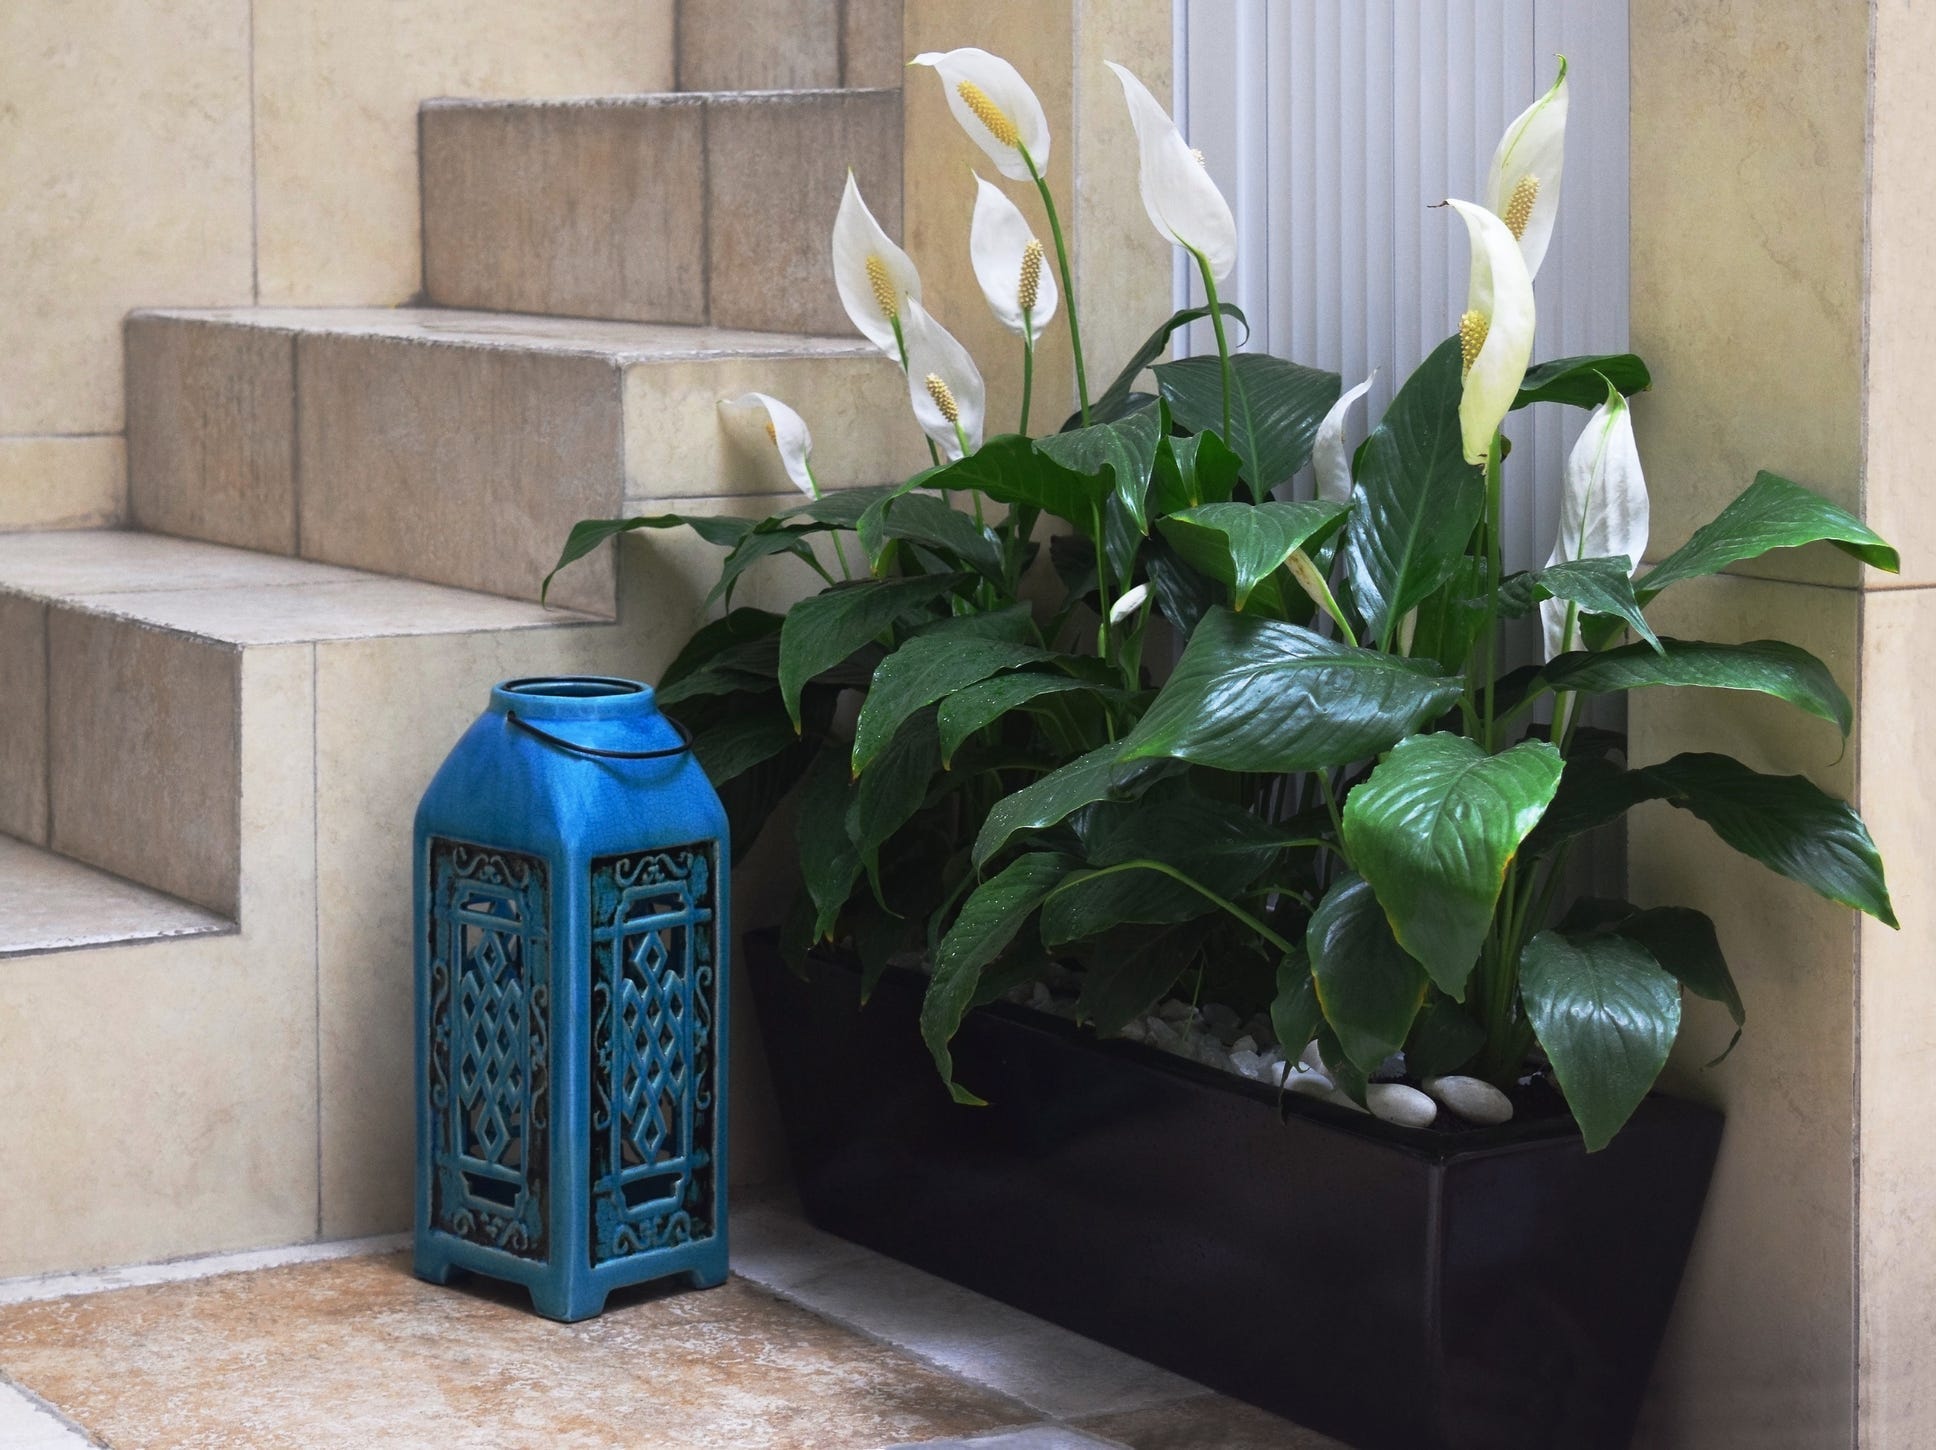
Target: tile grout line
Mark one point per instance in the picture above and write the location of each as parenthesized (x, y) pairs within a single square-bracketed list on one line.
[(47, 721), (316, 911), (295, 447), (73, 1427), (255, 178)]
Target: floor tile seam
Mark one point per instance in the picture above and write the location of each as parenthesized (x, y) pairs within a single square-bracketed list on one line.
[(122, 941), (80, 1433), (191, 1268), (888, 1342), (101, 607)]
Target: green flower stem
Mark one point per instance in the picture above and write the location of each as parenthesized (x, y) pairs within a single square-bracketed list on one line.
[(900, 343), (1223, 343), (1028, 370), (1564, 714), (839, 552), (1492, 585), (1102, 585), (1068, 285), (1164, 869)]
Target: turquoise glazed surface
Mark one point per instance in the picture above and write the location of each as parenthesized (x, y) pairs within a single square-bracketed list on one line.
[(571, 956)]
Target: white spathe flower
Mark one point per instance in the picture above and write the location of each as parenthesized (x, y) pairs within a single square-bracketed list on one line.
[(874, 276), (1523, 187), (786, 428), (995, 107), (944, 385), (1496, 332), (1009, 263), (1181, 199), (1128, 604), (1330, 459), (1603, 511)]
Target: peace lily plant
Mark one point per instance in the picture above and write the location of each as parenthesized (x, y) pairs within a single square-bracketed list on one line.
[(1345, 807)]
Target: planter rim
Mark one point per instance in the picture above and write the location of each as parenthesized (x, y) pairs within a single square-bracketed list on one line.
[(1431, 1145)]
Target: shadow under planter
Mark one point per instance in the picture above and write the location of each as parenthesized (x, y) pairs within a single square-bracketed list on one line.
[(1397, 1288)]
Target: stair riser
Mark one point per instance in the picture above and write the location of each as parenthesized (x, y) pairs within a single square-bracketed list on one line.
[(713, 209), (125, 757), (763, 45), (463, 464)]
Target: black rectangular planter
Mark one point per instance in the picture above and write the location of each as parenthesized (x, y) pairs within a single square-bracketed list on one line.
[(1499, 1289)]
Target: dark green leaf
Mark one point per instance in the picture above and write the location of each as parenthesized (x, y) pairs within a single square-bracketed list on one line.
[(1012, 470), (1132, 972), (1443, 1040), (925, 519), (1256, 695), (1685, 943), (1189, 471), (1771, 513), (1597, 586), (1417, 500), (968, 710), (1433, 829), (1275, 409), (1783, 821), (1100, 775), (1764, 666), (588, 534), (736, 627), (744, 739), (1182, 594), (923, 671), (1294, 1011), (823, 630), (1583, 381), (1606, 1014), (1240, 544), (1121, 454), (1593, 792), (989, 919), (890, 793), (829, 862), (1368, 985), (1158, 342)]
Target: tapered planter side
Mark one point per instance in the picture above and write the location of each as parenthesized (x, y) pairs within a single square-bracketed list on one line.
[(1418, 1291)]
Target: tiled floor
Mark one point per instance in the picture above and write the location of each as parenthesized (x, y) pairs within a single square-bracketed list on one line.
[(815, 1344)]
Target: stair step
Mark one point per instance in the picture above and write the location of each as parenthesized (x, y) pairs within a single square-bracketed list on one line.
[(124, 657), (459, 447), (696, 208), (50, 903)]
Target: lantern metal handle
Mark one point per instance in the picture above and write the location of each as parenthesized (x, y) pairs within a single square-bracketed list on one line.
[(684, 745)]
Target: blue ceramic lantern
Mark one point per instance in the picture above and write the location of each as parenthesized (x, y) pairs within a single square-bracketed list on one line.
[(571, 1000)]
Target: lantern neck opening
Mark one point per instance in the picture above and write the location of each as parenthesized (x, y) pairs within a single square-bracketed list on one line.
[(574, 697)]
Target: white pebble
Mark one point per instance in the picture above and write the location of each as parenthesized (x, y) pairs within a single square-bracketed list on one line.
[(1396, 1103), (1343, 1099), (1309, 1084), (1221, 1020), (1210, 1053), (1274, 1071), (1175, 1010), (1041, 999), (1248, 1063), (1246, 1043), (1160, 1033), (1273, 1054), (1472, 1098), (1135, 1031), (1311, 1057)]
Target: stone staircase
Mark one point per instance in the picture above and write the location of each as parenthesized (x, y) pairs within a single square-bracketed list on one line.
[(219, 719)]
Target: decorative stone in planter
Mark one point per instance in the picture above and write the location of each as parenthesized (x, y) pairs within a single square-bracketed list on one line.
[(1398, 1289)]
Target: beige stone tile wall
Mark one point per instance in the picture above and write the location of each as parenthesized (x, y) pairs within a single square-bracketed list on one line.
[(77, 482)]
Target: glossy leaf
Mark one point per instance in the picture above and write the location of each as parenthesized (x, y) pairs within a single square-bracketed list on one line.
[(1417, 500), (1369, 986), (1593, 792), (1582, 381), (1275, 409), (988, 921), (925, 519), (1121, 453), (1444, 1039), (1132, 972), (736, 627), (826, 628), (1189, 471), (1785, 822), (1240, 544), (759, 544), (744, 739), (1771, 513), (1433, 829), (1597, 586), (970, 709), (1606, 1014), (1154, 346), (1686, 945), (1012, 470), (923, 671), (1256, 695), (1764, 666), (1294, 1011), (1100, 775)]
